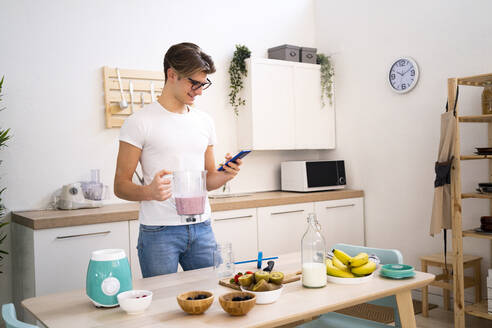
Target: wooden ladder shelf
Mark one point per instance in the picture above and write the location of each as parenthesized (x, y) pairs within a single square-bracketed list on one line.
[(478, 309)]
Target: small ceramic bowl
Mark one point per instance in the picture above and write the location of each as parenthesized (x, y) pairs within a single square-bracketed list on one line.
[(237, 308), (195, 306), (135, 301), (266, 297)]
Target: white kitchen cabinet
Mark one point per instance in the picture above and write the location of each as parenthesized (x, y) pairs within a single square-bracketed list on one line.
[(280, 228), (54, 260), (283, 107), (342, 221), (240, 228), (134, 226), (314, 123)]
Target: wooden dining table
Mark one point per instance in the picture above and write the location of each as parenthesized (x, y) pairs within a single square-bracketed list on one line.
[(296, 304)]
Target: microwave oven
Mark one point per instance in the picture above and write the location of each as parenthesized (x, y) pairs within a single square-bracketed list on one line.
[(305, 176)]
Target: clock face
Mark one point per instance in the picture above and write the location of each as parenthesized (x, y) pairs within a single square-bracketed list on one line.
[(403, 75)]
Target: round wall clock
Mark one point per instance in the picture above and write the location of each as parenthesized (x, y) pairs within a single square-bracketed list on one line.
[(403, 74)]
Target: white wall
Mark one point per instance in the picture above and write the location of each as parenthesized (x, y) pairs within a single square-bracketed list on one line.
[(390, 141), (52, 52)]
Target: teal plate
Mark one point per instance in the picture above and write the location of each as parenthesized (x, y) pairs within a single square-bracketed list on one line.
[(410, 275), (397, 271)]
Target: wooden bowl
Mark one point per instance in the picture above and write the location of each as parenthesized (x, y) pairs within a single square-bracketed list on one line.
[(237, 307), (195, 306)]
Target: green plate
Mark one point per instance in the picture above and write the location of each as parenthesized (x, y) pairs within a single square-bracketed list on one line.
[(398, 277), (397, 271)]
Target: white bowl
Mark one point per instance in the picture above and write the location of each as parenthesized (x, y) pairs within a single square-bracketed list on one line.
[(349, 281), (135, 301), (266, 297)]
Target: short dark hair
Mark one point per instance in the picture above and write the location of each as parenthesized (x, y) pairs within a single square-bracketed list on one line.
[(187, 59)]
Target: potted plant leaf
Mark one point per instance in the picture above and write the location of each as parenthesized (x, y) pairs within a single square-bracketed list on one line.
[(238, 71), (327, 74), (4, 137)]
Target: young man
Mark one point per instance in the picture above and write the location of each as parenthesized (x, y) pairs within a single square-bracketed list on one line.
[(166, 136)]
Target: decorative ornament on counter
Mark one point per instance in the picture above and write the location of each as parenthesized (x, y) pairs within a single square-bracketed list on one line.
[(403, 75)]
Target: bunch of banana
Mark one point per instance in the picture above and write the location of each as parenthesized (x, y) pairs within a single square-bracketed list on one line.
[(344, 266)]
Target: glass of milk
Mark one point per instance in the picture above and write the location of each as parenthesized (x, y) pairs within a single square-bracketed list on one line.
[(313, 250), (190, 192)]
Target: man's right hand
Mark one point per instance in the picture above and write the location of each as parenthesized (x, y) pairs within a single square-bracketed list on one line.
[(160, 187)]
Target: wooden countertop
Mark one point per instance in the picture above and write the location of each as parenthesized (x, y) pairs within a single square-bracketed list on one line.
[(73, 309), (47, 219)]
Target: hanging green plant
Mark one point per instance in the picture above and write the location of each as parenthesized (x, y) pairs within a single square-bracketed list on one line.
[(237, 71), (4, 137), (327, 74)]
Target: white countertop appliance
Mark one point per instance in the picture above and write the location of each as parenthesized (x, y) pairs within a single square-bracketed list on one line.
[(305, 176)]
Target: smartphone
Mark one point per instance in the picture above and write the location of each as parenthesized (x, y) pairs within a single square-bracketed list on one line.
[(241, 154)]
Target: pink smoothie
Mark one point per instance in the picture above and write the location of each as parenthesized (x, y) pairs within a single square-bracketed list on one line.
[(190, 205)]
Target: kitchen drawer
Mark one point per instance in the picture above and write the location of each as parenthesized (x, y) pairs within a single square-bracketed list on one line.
[(280, 228), (342, 221), (240, 228), (61, 255)]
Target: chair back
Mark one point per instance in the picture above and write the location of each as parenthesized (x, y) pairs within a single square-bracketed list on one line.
[(386, 256), (10, 318)]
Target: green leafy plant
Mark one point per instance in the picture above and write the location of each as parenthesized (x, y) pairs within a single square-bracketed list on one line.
[(4, 137), (327, 74), (237, 71)]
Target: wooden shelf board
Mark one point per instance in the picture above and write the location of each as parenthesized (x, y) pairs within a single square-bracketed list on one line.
[(476, 118), (481, 80), (476, 195), (478, 310), (473, 233), (469, 157)]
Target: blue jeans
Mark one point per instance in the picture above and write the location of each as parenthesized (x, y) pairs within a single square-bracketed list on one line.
[(160, 248)]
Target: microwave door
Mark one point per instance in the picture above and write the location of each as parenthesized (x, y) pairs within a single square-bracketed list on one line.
[(321, 174)]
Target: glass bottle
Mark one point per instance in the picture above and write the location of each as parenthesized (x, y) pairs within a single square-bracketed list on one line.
[(313, 255)]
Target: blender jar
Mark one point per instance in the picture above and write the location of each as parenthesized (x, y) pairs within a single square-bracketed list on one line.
[(190, 192)]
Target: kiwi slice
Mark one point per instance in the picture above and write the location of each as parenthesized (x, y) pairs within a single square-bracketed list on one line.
[(276, 277), (245, 280), (261, 286), (262, 275)]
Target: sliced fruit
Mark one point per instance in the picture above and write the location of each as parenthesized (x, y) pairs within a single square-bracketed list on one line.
[(245, 280), (365, 269), (359, 259), (261, 286), (236, 277), (262, 275), (342, 256), (337, 263), (336, 272), (276, 277)]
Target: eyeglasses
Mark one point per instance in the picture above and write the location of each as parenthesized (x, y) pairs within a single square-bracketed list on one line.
[(195, 85)]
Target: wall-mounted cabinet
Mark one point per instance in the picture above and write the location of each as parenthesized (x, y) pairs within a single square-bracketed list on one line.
[(283, 107)]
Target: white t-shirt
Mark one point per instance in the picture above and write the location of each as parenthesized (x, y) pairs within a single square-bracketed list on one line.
[(168, 141)]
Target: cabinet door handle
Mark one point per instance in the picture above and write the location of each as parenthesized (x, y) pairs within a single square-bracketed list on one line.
[(84, 234), (286, 212), (338, 206), (235, 217)]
